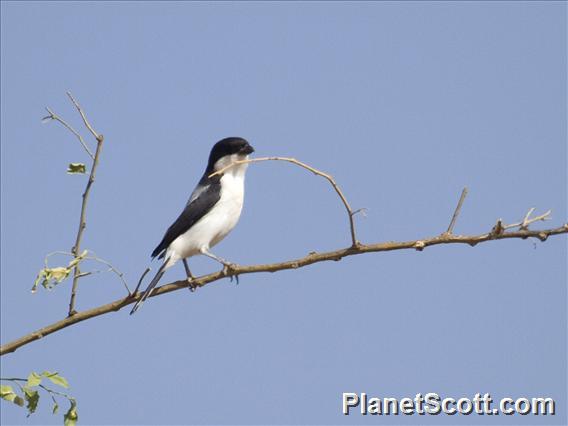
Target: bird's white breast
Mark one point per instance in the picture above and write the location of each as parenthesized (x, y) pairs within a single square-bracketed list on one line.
[(219, 221), (231, 202)]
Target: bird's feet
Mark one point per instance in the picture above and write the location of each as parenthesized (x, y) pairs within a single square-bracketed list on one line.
[(228, 270), (191, 284)]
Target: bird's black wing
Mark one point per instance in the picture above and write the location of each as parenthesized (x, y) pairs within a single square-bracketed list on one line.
[(208, 193)]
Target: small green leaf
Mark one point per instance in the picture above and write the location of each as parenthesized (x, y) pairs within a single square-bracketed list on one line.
[(75, 168), (34, 379), (56, 378), (58, 274), (70, 418), (5, 390), (18, 400), (55, 408), (50, 277), (28, 391), (39, 279), (7, 393), (32, 398)]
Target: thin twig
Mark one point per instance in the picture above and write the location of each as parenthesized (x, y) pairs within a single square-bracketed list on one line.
[(94, 257), (82, 218), (111, 268), (457, 212), (86, 274), (315, 171), (527, 220), (52, 396), (362, 210), (98, 137), (309, 259), (51, 392), (58, 252), (14, 380), (55, 117)]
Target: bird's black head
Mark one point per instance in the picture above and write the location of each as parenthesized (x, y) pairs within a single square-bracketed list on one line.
[(228, 146)]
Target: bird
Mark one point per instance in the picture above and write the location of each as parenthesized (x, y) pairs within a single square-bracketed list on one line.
[(212, 211)]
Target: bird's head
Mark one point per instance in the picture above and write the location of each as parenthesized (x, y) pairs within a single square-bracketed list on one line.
[(227, 151)]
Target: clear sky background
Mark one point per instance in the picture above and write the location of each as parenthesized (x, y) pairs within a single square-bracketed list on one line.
[(404, 103)]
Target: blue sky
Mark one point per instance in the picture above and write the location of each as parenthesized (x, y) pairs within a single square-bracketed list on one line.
[(403, 103)]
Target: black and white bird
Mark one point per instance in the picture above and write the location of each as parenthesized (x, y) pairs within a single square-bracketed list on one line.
[(212, 211)]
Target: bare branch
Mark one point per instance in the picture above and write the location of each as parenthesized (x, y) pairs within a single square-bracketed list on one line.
[(51, 392), (57, 252), (457, 212), (53, 116), (362, 211), (86, 274), (499, 228), (98, 137), (315, 171), (93, 257), (527, 220), (497, 233), (83, 214), (111, 268), (311, 258)]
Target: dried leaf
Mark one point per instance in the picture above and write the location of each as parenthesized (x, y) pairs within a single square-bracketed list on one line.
[(76, 168)]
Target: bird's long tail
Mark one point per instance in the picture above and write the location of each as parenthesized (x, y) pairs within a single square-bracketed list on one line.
[(151, 286)]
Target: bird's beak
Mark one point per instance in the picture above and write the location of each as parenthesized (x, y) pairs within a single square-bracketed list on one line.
[(247, 149)]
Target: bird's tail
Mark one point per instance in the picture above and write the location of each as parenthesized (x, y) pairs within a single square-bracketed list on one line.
[(150, 287)]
